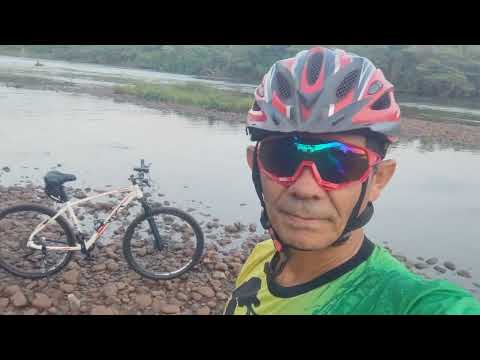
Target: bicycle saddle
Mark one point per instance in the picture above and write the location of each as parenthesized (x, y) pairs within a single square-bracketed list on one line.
[(58, 178)]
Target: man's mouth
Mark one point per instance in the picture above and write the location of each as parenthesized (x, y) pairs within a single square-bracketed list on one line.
[(303, 221)]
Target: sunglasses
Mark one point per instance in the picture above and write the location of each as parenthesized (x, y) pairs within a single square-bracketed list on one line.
[(334, 164)]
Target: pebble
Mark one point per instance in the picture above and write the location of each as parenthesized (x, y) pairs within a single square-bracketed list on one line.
[(204, 310), (464, 273), (421, 266), (41, 301), (449, 265), (432, 261), (19, 300), (169, 309), (101, 310), (75, 304), (440, 269), (71, 277)]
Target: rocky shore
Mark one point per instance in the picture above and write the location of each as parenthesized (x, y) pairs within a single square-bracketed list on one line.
[(108, 286)]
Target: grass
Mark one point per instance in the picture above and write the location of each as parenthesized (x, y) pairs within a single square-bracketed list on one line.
[(189, 94)]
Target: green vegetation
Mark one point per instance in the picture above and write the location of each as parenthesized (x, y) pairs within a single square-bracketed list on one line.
[(189, 94), (437, 71)]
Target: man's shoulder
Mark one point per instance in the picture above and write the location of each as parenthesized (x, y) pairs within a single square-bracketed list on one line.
[(261, 253), (415, 294)]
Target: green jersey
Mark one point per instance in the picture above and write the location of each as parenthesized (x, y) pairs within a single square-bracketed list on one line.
[(371, 282)]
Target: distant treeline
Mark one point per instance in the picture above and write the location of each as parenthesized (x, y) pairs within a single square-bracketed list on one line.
[(424, 70)]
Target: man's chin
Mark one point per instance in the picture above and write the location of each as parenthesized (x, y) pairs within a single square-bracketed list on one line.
[(308, 240)]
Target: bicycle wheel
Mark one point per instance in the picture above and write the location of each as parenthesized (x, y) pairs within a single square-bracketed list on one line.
[(16, 225), (182, 238)]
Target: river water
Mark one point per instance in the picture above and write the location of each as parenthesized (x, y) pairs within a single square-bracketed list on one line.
[(430, 208)]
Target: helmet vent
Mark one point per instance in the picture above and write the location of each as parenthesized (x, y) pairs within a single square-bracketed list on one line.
[(347, 84), (314, 67), (382, 103), (283, 86)]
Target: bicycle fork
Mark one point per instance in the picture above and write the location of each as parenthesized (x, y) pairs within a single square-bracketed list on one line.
[(158, 242)]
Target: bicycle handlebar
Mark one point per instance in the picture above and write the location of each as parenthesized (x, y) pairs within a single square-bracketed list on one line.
[(142, 170)]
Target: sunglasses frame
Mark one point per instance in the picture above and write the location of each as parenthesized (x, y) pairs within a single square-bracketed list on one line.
[(373, 159)]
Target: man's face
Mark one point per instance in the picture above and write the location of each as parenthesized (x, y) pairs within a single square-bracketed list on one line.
[(308, 217)]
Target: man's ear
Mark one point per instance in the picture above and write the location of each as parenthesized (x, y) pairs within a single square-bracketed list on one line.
[(250, 151), (381, 178)]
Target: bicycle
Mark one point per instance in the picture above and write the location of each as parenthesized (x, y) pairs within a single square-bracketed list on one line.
[(49, 247)]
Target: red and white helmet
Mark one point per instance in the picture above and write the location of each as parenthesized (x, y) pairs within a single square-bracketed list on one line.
[(324, 90)]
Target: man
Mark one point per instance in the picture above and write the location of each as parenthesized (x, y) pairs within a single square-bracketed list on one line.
[(322, 123)]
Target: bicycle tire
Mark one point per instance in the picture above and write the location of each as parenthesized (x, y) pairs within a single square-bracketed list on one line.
[(173, 212), (61, 221)]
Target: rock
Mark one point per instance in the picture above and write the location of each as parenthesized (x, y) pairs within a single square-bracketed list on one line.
[(440, 269), (143, 301), (99, 267), (222, 296), (181, 296), (158, 293), (169, 309), (196, 296), (110, 290), (204, 310), (55, 293), (221, 266), (421, 266), (474, 284), (12, 290), (41, 301), (113, 266), (52, 311), (243, 204), (420, 258), (31, 312), (75, 304), (67, 288), (72, 276), (252, 228), (230, 228), (205, 291), (236, 267), (101, 310), (161, 195), (464, 273), (19, 300), (121, 286), (141, 252), (4, 303), (432, 261), (156, 306), (449, 265), (79, 194), (166, 203), (400, 258)]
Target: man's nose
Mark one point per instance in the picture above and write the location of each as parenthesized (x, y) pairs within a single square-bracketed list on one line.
[(306, 186)]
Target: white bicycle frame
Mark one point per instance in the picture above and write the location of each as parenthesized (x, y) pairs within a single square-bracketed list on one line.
[(134, 192)]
